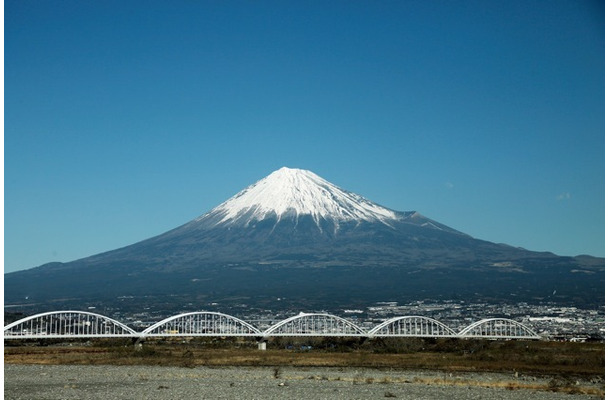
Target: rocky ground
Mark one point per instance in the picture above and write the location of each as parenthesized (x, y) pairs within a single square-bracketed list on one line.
[(154, 382)]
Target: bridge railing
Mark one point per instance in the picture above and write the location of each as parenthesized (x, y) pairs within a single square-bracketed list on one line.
[(314, 324), (62, 324), (412, 326), (498, 328), (202, 324), (74, 324)]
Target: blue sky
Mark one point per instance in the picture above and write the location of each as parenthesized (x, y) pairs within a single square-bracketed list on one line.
[(124, 119)]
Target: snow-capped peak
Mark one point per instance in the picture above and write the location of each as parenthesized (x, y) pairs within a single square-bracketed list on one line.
[(290, 192)]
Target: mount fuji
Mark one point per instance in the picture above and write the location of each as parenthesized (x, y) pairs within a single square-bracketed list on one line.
[(296, 236)]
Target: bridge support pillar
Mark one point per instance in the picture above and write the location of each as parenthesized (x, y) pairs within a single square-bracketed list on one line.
[(262, 344), (137, 343)]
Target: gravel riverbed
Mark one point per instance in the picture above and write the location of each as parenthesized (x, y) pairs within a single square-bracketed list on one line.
[(159, 383)]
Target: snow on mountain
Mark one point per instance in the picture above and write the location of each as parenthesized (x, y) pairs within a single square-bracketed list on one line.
[(290, 192)]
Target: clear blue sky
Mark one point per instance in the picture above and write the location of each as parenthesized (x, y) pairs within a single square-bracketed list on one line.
[(124, 119)]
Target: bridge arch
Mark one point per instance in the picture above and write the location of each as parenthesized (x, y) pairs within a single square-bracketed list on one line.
[(202, 323), (412, 325), (62, 324), (501, 328), (314, 324)]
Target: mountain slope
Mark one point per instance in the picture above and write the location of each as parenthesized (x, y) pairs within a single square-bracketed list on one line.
[(296, 234)]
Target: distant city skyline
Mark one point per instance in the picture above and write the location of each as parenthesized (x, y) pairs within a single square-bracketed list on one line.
[(127, 119)]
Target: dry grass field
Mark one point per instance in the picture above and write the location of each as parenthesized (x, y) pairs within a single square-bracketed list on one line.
[(441, 354)]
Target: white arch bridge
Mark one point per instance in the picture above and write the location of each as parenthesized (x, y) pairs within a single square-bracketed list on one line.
[(81, 324)]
